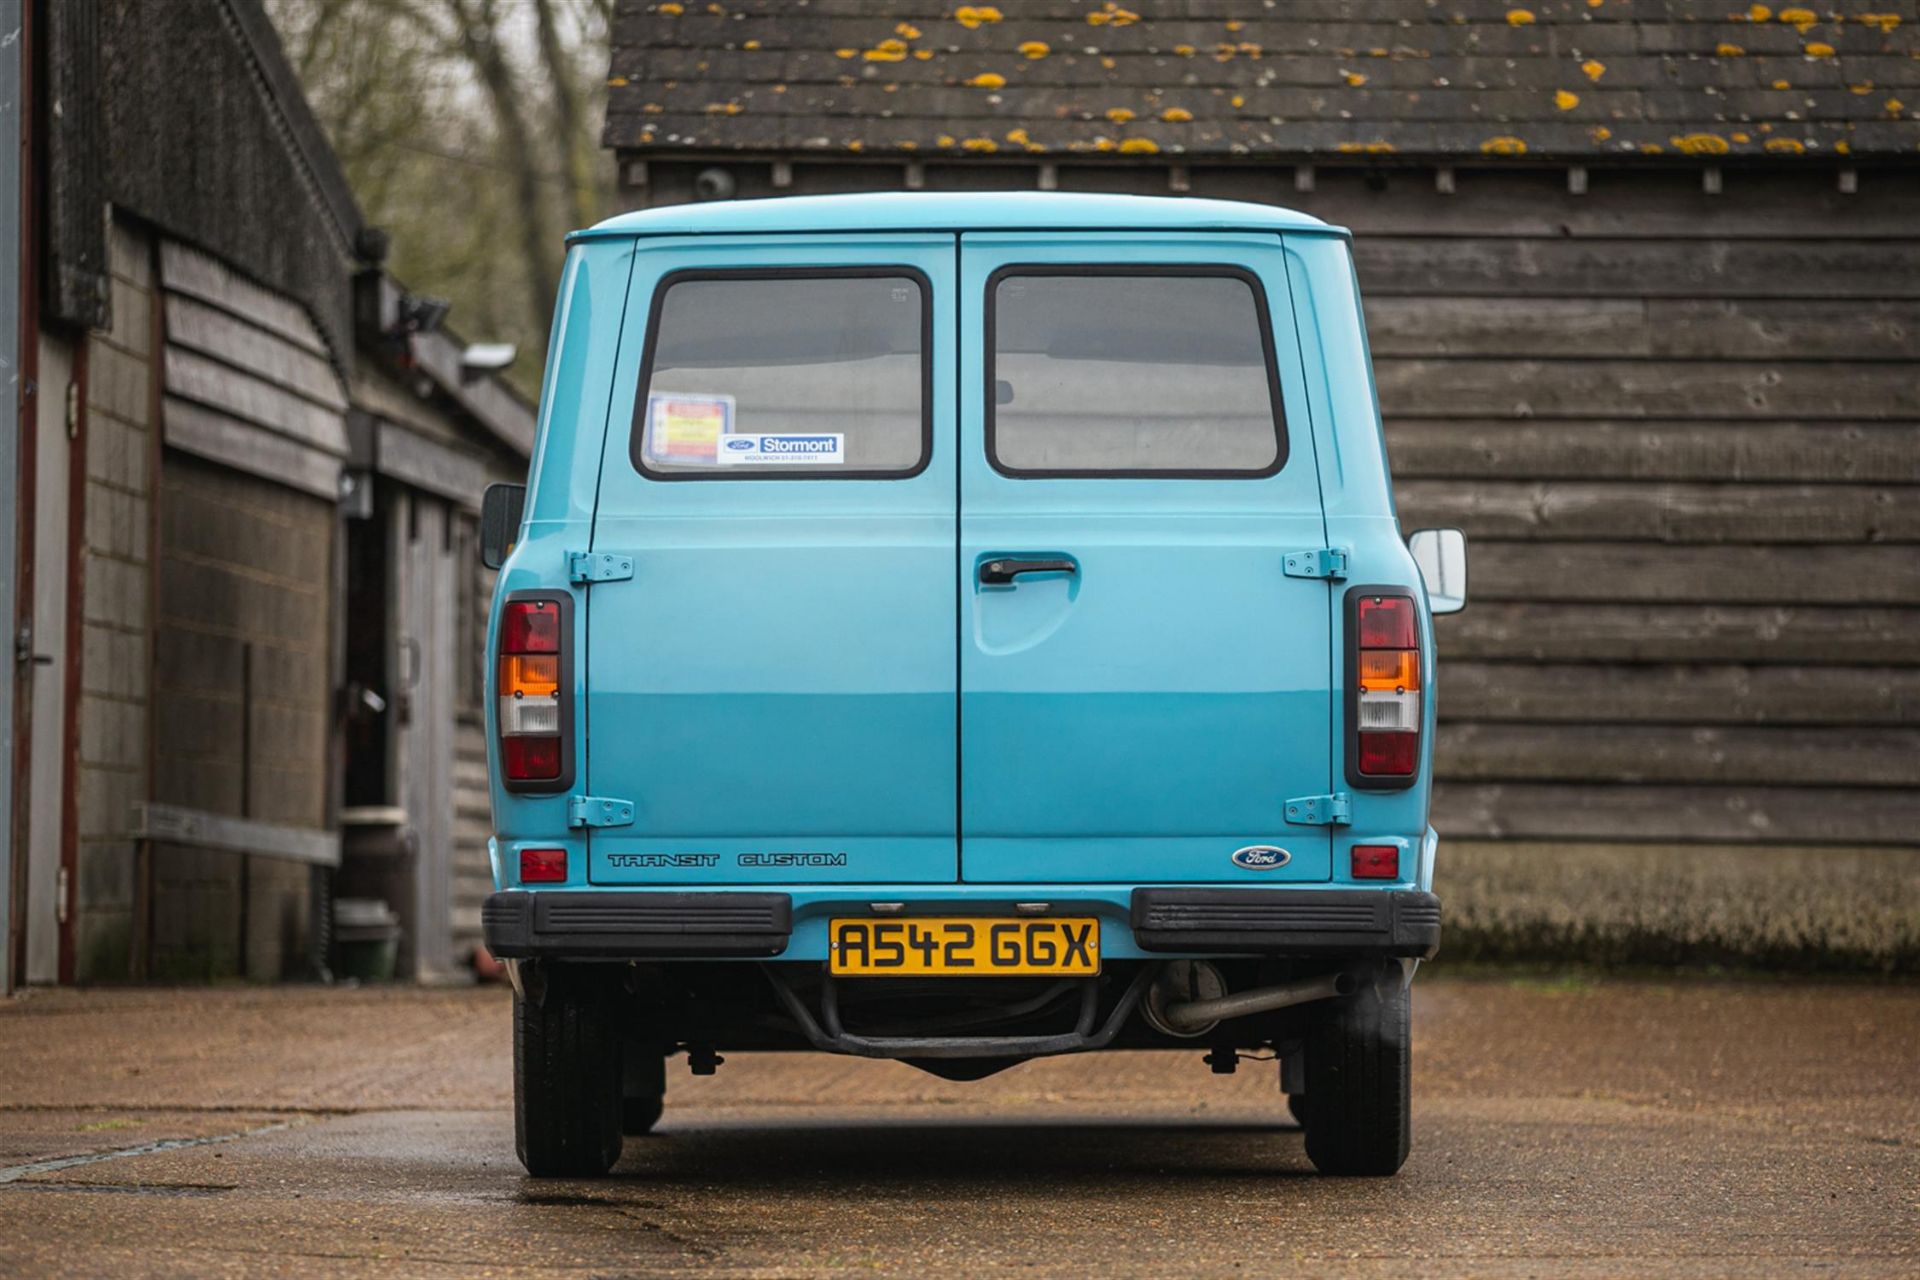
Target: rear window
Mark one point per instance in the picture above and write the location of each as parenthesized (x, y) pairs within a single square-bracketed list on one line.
[(785, 375), (1117, 371)]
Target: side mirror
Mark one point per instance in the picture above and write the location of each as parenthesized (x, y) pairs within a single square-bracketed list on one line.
[(1442, 557), (500, 509)]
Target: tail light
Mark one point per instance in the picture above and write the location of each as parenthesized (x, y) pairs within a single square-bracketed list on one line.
[(1384, 714), (531, 692)]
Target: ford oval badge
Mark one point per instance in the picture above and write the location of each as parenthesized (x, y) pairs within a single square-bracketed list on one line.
[(1261, 857)]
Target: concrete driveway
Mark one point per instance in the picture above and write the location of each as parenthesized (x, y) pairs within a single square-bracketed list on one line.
[(1564, 1128)]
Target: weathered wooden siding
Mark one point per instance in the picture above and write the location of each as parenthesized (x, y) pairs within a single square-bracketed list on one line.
[(1683, 433), (253, 418)]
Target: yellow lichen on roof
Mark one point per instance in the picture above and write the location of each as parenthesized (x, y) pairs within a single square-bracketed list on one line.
[(979, 144), (889, 50), (1566, 100), (1519, 17), (616, 82), (1699, 144), (1799, 19), (1759, 13), (750, 45), (1139, 147), (988, 80), (1111, 13), (971, 15), (1819, 50), (1237, 101), (1725, 50), (1894, 106), (944, 140), (1119, 115), (907, 31), (1353, 78), (1860, 90), (670, 9), (1743, 138), (1884, 21), (1184, 50), (922, 55), (1035, 49), (1785, 146), (1599, 133), (1176, 115), (1594, 68), (846, 53), (1364, 148), (1503, 145), (1782, 84)]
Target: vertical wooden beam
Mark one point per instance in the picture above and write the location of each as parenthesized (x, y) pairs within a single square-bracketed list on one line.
[(1577, 179), (1443, 180), (782, 174), (915, 176), (1048, 176), (1303, 177), (1179, 179), (1710, 180)]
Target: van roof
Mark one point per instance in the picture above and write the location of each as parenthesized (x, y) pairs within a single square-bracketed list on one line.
[(960, 211)]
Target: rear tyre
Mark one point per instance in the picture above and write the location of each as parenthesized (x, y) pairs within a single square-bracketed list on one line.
[(1359, 1077), (1297, 1108), (644, 1087), (566, 1078)]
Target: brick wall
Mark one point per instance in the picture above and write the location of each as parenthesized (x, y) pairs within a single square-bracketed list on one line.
[(116, 610)]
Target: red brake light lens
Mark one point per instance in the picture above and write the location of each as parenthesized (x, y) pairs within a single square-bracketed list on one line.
[(1386, 622), (530, 759), (1370, 862), (543, 866), (1391, 754), (530, 626)]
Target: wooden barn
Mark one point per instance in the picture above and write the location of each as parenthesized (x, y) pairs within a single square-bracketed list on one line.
[(248, 477), (1642, 279)]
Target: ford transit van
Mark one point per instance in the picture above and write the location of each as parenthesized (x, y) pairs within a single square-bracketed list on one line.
[(961, 629)]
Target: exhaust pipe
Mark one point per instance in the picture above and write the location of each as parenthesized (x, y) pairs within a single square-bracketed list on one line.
[(1196, 1017)]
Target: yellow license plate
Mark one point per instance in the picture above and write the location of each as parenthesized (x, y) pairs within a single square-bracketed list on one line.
[(958, 947)]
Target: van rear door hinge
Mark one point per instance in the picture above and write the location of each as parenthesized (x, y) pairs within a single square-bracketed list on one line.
[(598, 566), (599, 811), (1320, 811), (1321, 562)]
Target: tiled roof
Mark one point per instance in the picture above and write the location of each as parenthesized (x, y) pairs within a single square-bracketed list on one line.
[(1580, 79)]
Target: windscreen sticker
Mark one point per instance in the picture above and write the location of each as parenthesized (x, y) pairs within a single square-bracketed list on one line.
[(783, 449), (687, 428)]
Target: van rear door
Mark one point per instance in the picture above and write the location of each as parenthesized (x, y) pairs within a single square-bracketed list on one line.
[(1143, 686), (775, 687)]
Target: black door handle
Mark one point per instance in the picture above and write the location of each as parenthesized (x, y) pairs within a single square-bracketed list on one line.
[(1001, 572)]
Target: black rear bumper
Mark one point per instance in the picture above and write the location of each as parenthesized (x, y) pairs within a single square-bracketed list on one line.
[(1298, 922), (619, 926)]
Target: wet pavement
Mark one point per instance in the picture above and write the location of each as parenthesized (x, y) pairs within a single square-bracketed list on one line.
[(1562, 1128)]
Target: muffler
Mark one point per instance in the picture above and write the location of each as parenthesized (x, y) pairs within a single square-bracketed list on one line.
[(1189, 997)]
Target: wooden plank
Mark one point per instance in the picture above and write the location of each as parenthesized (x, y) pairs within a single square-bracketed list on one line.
[(1785, 815), (1694, 694), (1639, 511), (198, 275), (1821, 636), (212, 332), (1645, 573), (1586, 449), (209, 434), (1840, 267), (1741, 330), (1443, 388), (427, 464), (195, 828), (1850, 756), (238, 395)]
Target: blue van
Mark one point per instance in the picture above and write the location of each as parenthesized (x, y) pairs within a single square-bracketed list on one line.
[(960, 629)]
